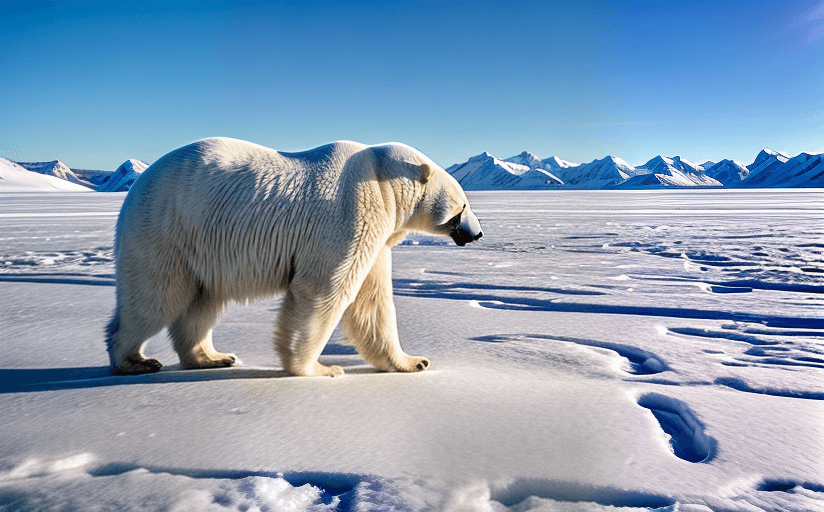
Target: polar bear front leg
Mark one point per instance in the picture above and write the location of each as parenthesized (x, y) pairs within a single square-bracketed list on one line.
[(302, 331), (370, 324)]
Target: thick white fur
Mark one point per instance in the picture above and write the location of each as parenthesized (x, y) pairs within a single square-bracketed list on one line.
[(224, 220)]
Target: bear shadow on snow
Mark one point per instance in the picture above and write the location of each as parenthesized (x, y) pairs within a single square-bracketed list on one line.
[(14, 380), (224, 220)]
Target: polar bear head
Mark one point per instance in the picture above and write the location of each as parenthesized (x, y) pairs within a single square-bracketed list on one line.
[(445, 209), (441, 207)]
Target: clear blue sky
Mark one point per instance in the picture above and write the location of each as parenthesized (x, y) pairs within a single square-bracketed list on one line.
[(95, 83)]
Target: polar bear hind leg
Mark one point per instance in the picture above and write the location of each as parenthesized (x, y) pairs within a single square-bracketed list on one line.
[(303, 328), (191, 333), (125, 337), (370, 324)]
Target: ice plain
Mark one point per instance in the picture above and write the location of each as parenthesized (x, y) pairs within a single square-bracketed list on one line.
[(596, 350)]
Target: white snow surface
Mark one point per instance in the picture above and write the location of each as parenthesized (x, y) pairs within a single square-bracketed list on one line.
[(16, 178), (595, 350)]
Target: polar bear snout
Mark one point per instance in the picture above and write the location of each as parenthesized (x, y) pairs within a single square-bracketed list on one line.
[(462, 238), (467, 229)]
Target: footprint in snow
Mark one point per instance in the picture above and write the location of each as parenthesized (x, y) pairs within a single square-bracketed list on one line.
[(687, 438)]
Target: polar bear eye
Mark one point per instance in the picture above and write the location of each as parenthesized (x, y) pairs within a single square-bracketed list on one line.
[(454, 222)]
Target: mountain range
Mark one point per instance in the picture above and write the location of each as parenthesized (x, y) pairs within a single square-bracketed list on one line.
[(525, 171), (770, 169)]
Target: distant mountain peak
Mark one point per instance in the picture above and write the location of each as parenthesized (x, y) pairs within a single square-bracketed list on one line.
[(125, 175), (555, 162), (57, 169), (775, 153), (524, 158)]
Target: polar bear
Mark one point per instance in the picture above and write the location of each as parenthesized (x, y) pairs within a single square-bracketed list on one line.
[(225, 220)]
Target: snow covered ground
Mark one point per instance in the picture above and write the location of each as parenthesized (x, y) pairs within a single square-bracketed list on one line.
[(595, 350)]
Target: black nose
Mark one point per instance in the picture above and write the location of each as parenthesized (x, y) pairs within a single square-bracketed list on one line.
[(479, 235)]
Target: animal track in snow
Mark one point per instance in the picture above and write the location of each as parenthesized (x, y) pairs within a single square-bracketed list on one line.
[(687, 438), (641, 362), (767, 347)]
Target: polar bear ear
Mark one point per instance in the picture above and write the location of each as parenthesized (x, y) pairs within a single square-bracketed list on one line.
[(426, 173)]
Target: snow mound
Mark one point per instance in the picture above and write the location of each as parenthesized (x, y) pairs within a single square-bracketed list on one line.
[(124, 176), (16, 178)]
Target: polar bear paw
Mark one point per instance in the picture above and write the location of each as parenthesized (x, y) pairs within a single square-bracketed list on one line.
[(322, 370), (411, 364), (422, 365), (135, 364), (317, 370), (216, 361), (419, 364)]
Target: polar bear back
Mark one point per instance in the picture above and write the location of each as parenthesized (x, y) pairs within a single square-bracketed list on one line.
[(242, 218)]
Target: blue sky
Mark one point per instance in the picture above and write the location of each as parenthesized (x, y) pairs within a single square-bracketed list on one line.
[(95, 83)]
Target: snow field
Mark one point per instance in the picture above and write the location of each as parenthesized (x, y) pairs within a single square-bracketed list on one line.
[(593, 358)]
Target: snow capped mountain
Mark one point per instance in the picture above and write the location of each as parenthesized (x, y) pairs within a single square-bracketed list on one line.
[(768, 156), (729, 172), (666, 165), (766, 163), (601, 173), (121, 180), (678, 172), (554, 162), (96, 178), (16, 178), (57, 169), (485, 172), (804, 170), (526, 158), (770, 169)]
